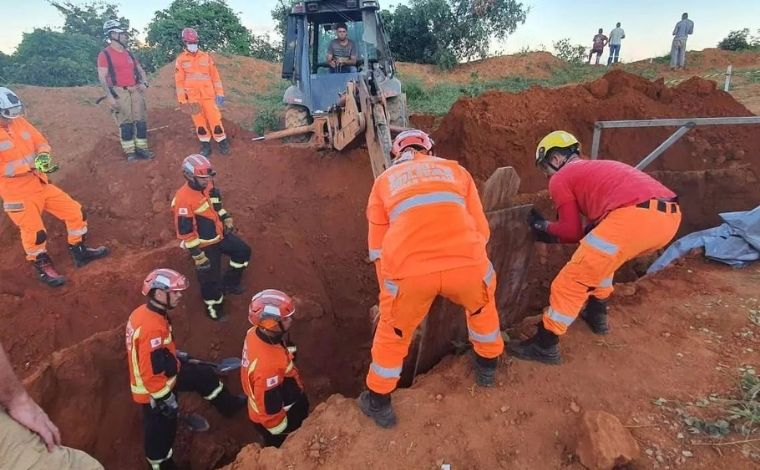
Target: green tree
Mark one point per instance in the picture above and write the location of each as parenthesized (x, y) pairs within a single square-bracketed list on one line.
[(448, 31), (218, 26), (739, 40), (280, 16), (88, 18), (574, 54), (262, 47), (51, 58)]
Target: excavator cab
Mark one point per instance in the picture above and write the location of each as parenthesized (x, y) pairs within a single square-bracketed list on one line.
[(317, 88)]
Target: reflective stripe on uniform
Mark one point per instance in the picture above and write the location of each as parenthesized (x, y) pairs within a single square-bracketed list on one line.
[(490, 274), (280, 427), (222, 212), (191, 243), (290, 367), (202, 208), (215, 200), (424, 200), (601, 244), (78, 232), (374, 255), (560, 317), (5, 145), (391, 286), (215, 392), (10, 167), (35, 252), (606, 282), (156, 464), (238, 265), (486, 338), (197, 76), (165, 390), (26, 135), (210, 306), (251, 399), (13, 206), (386, 372)]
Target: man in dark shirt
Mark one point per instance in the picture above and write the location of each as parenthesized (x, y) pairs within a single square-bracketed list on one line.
[(599, 41), (341, 53)]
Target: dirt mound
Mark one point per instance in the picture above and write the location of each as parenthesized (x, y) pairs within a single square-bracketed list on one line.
[(530, 420), (529, 65), (706, 60), (497, 128)]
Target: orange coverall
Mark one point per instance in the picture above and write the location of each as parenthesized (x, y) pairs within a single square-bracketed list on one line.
[(427, 237), (271, 382), (27, 193), (197, 81)]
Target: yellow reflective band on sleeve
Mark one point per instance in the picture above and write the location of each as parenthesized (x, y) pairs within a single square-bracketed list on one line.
[(280, 427), (214, 393), (222, 212), (238, 265), (192, 243), (202, 208), (215, 200)]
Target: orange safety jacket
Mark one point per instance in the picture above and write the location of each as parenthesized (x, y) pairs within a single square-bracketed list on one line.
[(20, 143), (425, 216), (199, 216), (196, 77), (151, 354), (270, 379)]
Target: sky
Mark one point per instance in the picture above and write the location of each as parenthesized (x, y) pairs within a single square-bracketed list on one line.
[(648, 24)]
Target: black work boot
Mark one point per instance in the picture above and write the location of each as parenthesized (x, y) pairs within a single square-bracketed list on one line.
[(132, 156), (595, 315), (224, 146), (83, 255), (377, 407), (144, 154), (205, 149), (485, 370), (46, 271), (542, 347)]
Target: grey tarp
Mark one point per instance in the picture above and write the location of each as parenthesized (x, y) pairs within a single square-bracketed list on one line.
[(736, 242)]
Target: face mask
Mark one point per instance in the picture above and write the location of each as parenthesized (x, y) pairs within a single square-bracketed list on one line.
[(192, 47)]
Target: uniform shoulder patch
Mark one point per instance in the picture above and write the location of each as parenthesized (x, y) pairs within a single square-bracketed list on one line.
[(155, 342), (183, 211), (272, 381)]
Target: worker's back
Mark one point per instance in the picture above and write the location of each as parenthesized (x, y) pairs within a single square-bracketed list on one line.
[(425, 216)]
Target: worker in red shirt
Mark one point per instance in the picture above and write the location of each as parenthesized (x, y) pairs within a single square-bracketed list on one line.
[(207, 231), (628, 213), (199, 90), (427, 237), (155, 372), (277, 403), (125, 83)]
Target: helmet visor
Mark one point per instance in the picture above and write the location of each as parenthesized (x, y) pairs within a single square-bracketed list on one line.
[(12, 113)]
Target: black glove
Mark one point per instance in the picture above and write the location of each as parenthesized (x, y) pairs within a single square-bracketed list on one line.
[(537, 221), (167, 405)]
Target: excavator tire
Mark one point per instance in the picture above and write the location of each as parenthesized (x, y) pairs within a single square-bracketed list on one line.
[(297, 116), (397, 114)]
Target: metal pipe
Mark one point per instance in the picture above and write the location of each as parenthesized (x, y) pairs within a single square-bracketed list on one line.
[(664, 146), (728, 78), (679, 122), (595, 141)]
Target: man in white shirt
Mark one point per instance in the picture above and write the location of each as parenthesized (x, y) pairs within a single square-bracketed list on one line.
[(615, 38), (681, 32)]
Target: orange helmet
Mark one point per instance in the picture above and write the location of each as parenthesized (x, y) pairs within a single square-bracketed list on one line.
[(196, 165), (411, 138), (164, 279), (189, 36), (269, 307)]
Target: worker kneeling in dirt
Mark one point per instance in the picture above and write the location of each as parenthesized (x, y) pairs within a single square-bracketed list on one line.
[(427, 237), (629, 214), (200, 92), (155, 372), (26, 192), (277, 403), (207, 232)]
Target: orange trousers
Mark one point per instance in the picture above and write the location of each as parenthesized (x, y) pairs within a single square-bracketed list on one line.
[(624, 234), (404, 303), (208, 121), (26, 212)]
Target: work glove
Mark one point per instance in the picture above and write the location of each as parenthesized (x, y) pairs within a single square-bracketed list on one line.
[(202, 262), (219, 100), (537, 221), (43, 162), (167, 405), (229, 225)]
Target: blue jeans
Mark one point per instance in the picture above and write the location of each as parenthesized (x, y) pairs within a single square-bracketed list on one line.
[(614, 53)]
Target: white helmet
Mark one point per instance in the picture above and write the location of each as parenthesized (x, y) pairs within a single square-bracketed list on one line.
[(112, 26), (10, 105)]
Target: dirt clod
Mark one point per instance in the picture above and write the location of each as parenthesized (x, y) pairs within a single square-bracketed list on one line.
[(603, 443)]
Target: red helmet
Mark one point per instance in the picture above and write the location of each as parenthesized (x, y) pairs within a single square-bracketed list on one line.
[(189, 36), (269, 307), (164, 279), (412, 137), (196, 165)]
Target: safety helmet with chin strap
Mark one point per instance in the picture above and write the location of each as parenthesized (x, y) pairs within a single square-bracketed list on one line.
[(112, 26), (562, 141), (10, 104)]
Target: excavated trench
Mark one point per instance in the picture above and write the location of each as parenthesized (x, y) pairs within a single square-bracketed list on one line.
[(303, 214)]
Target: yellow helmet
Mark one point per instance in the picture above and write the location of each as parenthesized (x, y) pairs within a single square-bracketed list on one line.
[(555, 140)]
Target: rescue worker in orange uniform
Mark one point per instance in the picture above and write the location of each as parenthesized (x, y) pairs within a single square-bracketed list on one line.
[(277, 403), (156, 374), (26, 192), (207, 231), (628, 214), (200, 91), (427, 237)]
